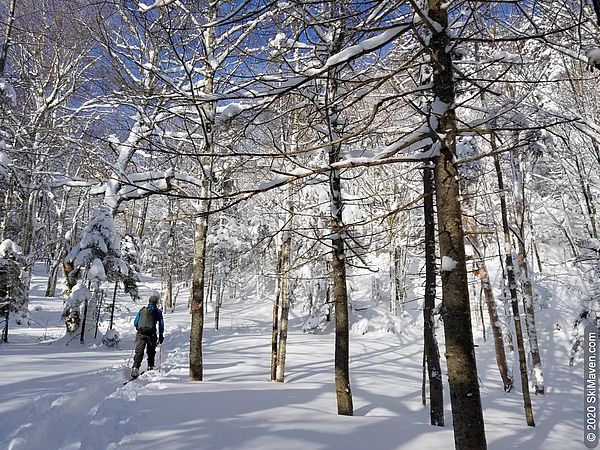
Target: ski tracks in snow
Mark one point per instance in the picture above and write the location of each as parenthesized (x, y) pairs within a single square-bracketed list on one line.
[(60, 421)]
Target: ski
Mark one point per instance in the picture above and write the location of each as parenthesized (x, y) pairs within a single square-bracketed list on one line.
[(133, 379)]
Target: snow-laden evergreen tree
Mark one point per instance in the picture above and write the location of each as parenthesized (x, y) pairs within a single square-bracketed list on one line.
[(96, 259), (13, 293)]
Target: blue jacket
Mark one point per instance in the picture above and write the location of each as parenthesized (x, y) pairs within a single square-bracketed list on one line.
[(157, 315)]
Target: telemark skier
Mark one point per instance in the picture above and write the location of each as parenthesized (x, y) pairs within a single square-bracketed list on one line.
[(145, 324)]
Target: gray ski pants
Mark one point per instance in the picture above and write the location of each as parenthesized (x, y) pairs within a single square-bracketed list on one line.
[(144, 342)]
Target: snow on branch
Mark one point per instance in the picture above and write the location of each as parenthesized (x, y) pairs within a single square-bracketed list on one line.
[(362, 48), (348, 163), (157, 4)]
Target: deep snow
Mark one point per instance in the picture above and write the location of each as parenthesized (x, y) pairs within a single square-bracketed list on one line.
[(57, 396)]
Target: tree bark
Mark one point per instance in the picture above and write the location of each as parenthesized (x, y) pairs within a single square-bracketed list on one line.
[(588, 197), (141, 223), (342, 335), (340, 292), (432, 353), (219, 301), (169, 293), (5, 329), (525, 277), (274, 332), (60, 250), (112, 308), (197, 299), (512, 286), (469, 431), (6, 207), (6, 42), (83, 320), (285, 298), (207, 113)]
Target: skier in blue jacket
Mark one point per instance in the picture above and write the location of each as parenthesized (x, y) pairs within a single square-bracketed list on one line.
[(146, 338)]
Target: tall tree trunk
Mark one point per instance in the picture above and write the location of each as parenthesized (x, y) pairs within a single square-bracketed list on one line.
[(6, 207), (60, 250), (6, 42), (197, 298), (399, 272), (219, 301), (338, 259), (97, 313), (393, 281), (169, 294), (112, 307), (286, 247), (141, 222), (27, 225), (274, 332), (170, 256), (340, 292), (512, 286), (207, 113), (434, 372), (525, 276), (587, 196), (83, 321), (53, 274), (467, 414), (5, 328), (340, 299)]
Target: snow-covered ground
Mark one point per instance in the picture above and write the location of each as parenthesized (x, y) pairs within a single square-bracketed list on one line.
[(57, 396)]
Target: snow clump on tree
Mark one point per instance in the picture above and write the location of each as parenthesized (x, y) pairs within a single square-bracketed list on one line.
[(594, 58)]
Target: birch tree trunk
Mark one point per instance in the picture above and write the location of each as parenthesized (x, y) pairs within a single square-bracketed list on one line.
[(219, 301), (285, 298), (512, 286), (525, 276), (60, 250), (469, 431), (274, 332)]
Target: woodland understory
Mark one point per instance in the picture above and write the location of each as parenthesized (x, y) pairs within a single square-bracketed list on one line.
[(294, 145)]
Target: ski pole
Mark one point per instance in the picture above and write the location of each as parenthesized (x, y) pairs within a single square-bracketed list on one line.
[(160, 349), (131, 354)]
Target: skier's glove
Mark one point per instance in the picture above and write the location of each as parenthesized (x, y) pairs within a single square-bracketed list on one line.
[(161, 338)]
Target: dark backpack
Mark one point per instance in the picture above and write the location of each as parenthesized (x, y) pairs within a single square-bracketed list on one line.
[(147, 322)]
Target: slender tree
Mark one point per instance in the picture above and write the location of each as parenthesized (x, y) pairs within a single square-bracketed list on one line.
[(434, 371), (512, 287)]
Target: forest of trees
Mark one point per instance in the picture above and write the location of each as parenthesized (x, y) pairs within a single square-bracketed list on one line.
[(287, 144)]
